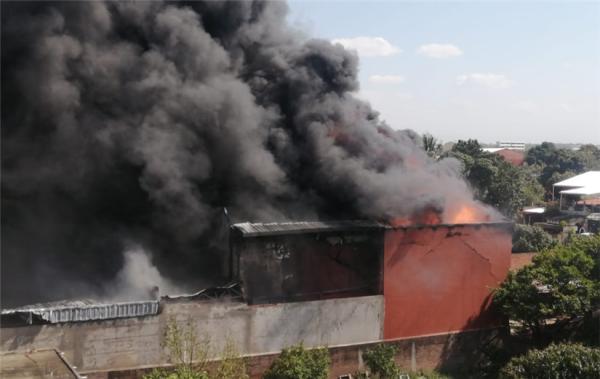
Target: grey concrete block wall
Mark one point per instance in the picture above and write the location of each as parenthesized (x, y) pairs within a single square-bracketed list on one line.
[(132, 343)]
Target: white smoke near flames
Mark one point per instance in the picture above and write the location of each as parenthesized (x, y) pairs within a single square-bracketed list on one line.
[(139, 279)]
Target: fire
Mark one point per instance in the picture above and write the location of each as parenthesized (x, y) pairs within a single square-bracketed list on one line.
[(460, 214), (400, 222), (467, 214), (428, 216)]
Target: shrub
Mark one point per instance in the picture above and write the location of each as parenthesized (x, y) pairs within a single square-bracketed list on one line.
[(429, 375), (299, 363), (190, 356), (380, 361), (570, 361), (528, 238), (230, 365)]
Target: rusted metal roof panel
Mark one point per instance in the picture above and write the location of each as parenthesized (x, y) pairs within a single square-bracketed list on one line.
[(81, 310), (248, 229)]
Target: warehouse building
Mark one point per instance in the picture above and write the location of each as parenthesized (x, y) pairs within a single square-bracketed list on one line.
[(341, 284)]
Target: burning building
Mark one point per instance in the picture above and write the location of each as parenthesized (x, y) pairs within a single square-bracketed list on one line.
[(344, 284), (441, 273), (134, 123), (307, 260)]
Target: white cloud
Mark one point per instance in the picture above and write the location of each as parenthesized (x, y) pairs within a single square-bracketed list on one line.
[(526, 106), (386, 79), (380, 99), (566, 107), (440, 50), (369, 46), (496, 81)]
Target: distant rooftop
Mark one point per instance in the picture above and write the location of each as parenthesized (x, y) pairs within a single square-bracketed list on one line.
[(586, 184), (534, 210), (492, 149), (586, 179)]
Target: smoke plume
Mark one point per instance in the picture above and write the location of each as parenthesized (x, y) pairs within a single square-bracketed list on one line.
[(140, 121)]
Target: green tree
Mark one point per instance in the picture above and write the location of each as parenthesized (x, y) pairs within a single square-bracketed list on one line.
[(541, 154), (557, 164), (508, 189), (190, 356), (186, 351), (469, 147), (560, 286), (563, 361), (494, 181), (590, 155), (297, 362), (230, 364), (533, 192), (528, 238), (431, 145), (380, 361)]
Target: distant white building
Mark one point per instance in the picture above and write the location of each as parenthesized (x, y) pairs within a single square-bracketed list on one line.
[(512, 145), (579, 194)]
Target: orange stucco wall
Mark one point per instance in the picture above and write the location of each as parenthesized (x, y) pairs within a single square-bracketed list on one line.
[(439, 279)]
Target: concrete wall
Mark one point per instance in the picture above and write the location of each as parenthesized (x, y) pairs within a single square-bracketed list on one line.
[(439, 279), (455, 353), (132, 343)]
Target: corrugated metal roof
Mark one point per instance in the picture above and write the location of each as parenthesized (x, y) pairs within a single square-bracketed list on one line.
[(587, 190), (537, 210), (82, 310), (586, 179), (231, 290), (248, 229)]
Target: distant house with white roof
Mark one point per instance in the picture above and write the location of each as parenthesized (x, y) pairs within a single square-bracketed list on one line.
[(512, 145), (579, 194)]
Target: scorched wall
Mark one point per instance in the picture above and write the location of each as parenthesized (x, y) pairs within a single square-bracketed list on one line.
[(115, 345)]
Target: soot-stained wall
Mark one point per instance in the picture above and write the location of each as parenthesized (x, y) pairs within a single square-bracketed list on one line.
[(439, 279), (122, 344), (309, 266)]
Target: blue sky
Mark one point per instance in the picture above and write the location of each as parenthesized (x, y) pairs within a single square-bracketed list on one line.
[(495, 71)]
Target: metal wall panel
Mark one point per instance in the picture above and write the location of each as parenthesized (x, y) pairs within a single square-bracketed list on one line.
[(439, 279)]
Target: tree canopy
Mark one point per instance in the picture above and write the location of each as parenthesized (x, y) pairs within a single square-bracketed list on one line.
[(528, 238), (562, 284), (495, 181), (563, 361), (555, 164)]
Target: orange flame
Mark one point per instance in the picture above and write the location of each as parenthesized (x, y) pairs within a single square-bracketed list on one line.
[(428, 216), (400, 222), (468, 214), (460, 214)]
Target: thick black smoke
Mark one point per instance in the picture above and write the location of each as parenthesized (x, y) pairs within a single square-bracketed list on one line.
[(137, 122)]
